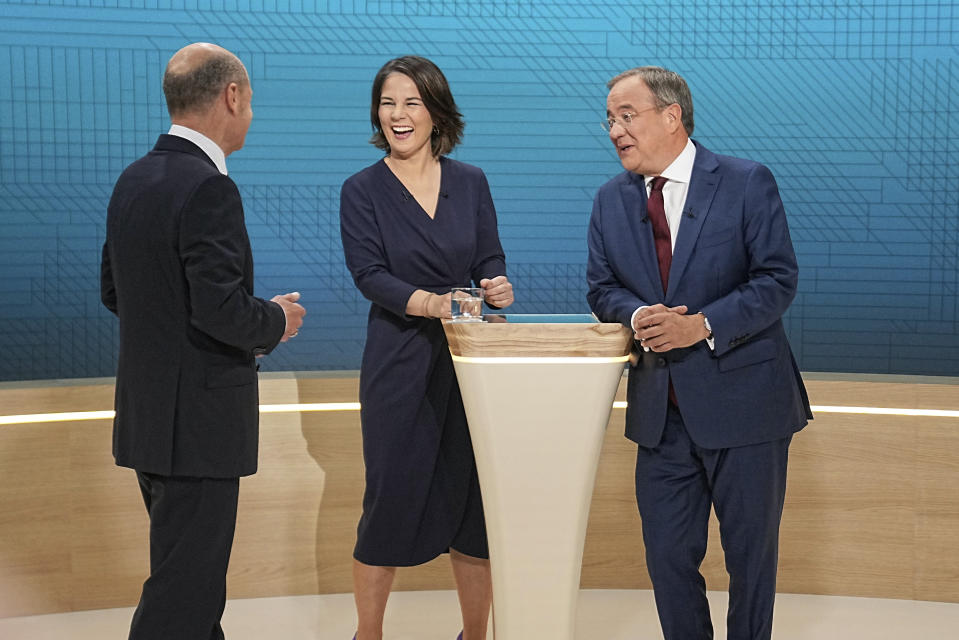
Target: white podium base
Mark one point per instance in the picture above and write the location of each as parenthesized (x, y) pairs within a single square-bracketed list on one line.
[(537, 427)]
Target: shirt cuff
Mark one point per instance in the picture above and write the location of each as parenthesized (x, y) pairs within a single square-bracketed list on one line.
[(711, 340), (632, 322)]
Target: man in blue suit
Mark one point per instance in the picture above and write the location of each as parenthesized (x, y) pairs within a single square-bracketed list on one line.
[(692, 251), (177, 270)]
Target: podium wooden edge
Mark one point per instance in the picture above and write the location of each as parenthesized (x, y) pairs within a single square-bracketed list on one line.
[(524, 340)]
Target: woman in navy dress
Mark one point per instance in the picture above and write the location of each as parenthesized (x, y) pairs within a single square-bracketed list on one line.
[(414, 225)]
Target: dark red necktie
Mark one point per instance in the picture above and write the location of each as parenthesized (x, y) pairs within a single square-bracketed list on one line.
[(656, 211)]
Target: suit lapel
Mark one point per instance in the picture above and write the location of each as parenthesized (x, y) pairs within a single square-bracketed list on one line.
[(702, 188), (640, 231)]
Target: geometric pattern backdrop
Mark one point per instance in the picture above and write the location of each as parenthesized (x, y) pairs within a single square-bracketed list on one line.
[(854, 108)]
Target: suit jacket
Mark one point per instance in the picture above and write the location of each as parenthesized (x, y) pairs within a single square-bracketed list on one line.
[(733, 260), (178, 271)]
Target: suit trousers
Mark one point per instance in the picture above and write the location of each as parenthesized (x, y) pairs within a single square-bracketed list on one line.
[(676, 484), (192, 521)]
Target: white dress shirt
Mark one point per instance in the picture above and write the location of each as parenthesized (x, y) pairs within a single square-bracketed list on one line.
[(678, 174), (209, 147)]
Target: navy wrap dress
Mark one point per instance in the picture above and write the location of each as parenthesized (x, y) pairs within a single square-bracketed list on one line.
[(422, 494)]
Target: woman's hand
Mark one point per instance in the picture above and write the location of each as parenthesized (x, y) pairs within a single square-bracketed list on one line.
[(428, 305), (439, 306), (497, 291)]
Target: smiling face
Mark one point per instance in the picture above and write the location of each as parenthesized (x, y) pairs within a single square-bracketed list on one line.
[(653, 139), (404, 119)]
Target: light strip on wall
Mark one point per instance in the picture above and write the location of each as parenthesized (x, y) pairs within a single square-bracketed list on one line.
[(355, 406), (876, 411), (885, 411), (57, 417), (73, 416)]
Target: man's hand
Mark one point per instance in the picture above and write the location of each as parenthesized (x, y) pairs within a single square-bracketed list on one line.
[(660, 328), (294, 313)]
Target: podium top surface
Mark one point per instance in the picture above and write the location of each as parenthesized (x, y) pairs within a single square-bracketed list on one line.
[(538, 335)]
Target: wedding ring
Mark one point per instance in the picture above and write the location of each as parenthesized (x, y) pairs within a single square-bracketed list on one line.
[(293, 335)]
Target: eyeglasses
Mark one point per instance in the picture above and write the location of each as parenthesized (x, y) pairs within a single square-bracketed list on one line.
[(624, 120)]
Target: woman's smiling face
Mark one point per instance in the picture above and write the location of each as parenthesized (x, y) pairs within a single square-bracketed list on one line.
[(404, 119)]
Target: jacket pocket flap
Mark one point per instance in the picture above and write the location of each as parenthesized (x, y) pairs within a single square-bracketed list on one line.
[(217, 377), (715, 238), (748, 353)]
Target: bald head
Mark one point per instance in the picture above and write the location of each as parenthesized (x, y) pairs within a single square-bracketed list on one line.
[(195, 76)]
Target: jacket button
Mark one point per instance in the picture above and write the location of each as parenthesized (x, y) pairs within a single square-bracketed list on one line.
[(661, 362)]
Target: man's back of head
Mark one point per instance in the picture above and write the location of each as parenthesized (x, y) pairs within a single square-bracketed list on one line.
[(208, 90), (195, 76)]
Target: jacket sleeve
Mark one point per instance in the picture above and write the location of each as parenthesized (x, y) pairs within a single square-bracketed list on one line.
[(773, 274), (108, 290), (608, 298), (214, 249)]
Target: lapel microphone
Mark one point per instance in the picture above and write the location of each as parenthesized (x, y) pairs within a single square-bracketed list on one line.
[(641, 184)]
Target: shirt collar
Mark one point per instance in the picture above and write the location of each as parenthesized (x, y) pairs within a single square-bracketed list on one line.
[(210, 148), (681, 169)]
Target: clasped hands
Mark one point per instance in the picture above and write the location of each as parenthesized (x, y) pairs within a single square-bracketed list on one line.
[(660, 328)]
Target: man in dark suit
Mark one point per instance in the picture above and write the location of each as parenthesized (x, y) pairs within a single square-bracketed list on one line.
[(178, 271), (691, 250)]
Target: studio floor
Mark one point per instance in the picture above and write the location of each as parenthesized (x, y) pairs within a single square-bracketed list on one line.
[(602, 615)]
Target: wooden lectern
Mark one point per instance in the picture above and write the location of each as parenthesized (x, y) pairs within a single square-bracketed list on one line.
[(538, 391)]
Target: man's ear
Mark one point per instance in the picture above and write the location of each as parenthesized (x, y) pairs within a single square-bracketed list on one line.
[(674, 117), (231, 95)]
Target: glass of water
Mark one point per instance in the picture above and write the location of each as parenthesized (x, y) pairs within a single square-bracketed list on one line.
[(467, 304)]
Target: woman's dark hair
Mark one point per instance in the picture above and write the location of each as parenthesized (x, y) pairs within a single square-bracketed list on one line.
[(437, 98)]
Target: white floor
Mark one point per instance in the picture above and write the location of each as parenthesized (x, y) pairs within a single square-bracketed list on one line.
[(602, 615)]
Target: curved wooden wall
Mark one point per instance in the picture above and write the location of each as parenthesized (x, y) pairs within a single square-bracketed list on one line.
[(872, 505)]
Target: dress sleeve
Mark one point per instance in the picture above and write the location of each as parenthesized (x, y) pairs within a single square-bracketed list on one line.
[(490, 259), (364, 252)]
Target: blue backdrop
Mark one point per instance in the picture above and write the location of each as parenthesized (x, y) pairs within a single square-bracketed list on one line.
[(853, 106)]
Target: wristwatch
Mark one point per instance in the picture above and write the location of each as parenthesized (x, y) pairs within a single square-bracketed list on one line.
[(709, 329)]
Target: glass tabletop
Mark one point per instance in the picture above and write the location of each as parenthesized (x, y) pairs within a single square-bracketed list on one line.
[(542, 318)]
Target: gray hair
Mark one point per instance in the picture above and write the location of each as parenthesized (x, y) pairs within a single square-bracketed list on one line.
[(667, 87), (199, 87)]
